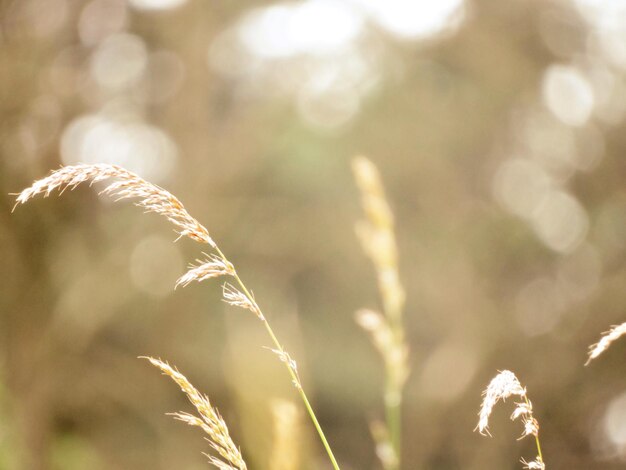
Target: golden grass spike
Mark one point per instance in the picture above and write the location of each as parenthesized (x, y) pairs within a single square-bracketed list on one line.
[(377, 236), (209, 420), (378, 240), (236, 298)]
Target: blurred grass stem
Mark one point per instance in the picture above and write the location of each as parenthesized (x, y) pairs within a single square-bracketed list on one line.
[(378, 239)]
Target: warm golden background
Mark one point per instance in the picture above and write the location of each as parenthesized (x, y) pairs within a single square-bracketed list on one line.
[(498, 130)]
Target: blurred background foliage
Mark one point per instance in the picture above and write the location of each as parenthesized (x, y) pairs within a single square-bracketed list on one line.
[(498, 129)]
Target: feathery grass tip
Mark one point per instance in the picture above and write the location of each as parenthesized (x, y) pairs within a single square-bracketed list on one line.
[(501, 387), (129, 186), (209, 420), (607, 339), (212, 266)]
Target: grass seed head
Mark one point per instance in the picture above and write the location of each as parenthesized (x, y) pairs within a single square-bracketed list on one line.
[(212, 266), (607, 339), (208, 419), (128, 186)]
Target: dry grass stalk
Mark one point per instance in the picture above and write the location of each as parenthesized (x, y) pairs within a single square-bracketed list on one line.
[(377, 237), (129, 186), (212, 266), (155, 199), (209, 420), (501, 387), (607, 339), (286, 358), (236, 298), (287, 436)]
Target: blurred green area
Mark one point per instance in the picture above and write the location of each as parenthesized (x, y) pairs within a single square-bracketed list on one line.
[(498, 130)]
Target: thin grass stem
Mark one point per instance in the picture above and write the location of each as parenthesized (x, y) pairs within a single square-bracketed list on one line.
[(288, 364)]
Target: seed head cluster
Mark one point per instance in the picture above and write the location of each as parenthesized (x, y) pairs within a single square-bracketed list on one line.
[(128, 186), (212, 266), (209, 420), (501, 387), (236, 298), (607, 339)]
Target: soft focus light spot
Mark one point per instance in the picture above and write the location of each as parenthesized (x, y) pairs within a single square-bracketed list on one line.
[(579, 273), (560, 30), (41, 125), (101, 18), (608, 21), (448, 371), (613, 44), (119, 61), (137, 146), (609, 92), (45, 18), (560, 222), (331, 97), (64, 75), (414, 19), (311, 27), (559, 149), (568, 94), (164, 77), (228, 56), (307, 51), (610, 226), (591, 148), (615, 422), (551, 143), (329, 110), (538, 307), (521, 186), (324, 26), (82, 307), (155, 264), (264, 32), (156, 4)]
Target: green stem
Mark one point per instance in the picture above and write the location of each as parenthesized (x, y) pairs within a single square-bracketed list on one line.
[(393, 390), (393, 404), (539, 448), (292, 372), (393, 418)]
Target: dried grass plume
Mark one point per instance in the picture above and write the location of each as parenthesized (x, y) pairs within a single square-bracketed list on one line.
[(212, 266), (209, 420), (501, 387), (129, 186), (607, 339), (377, 235)]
